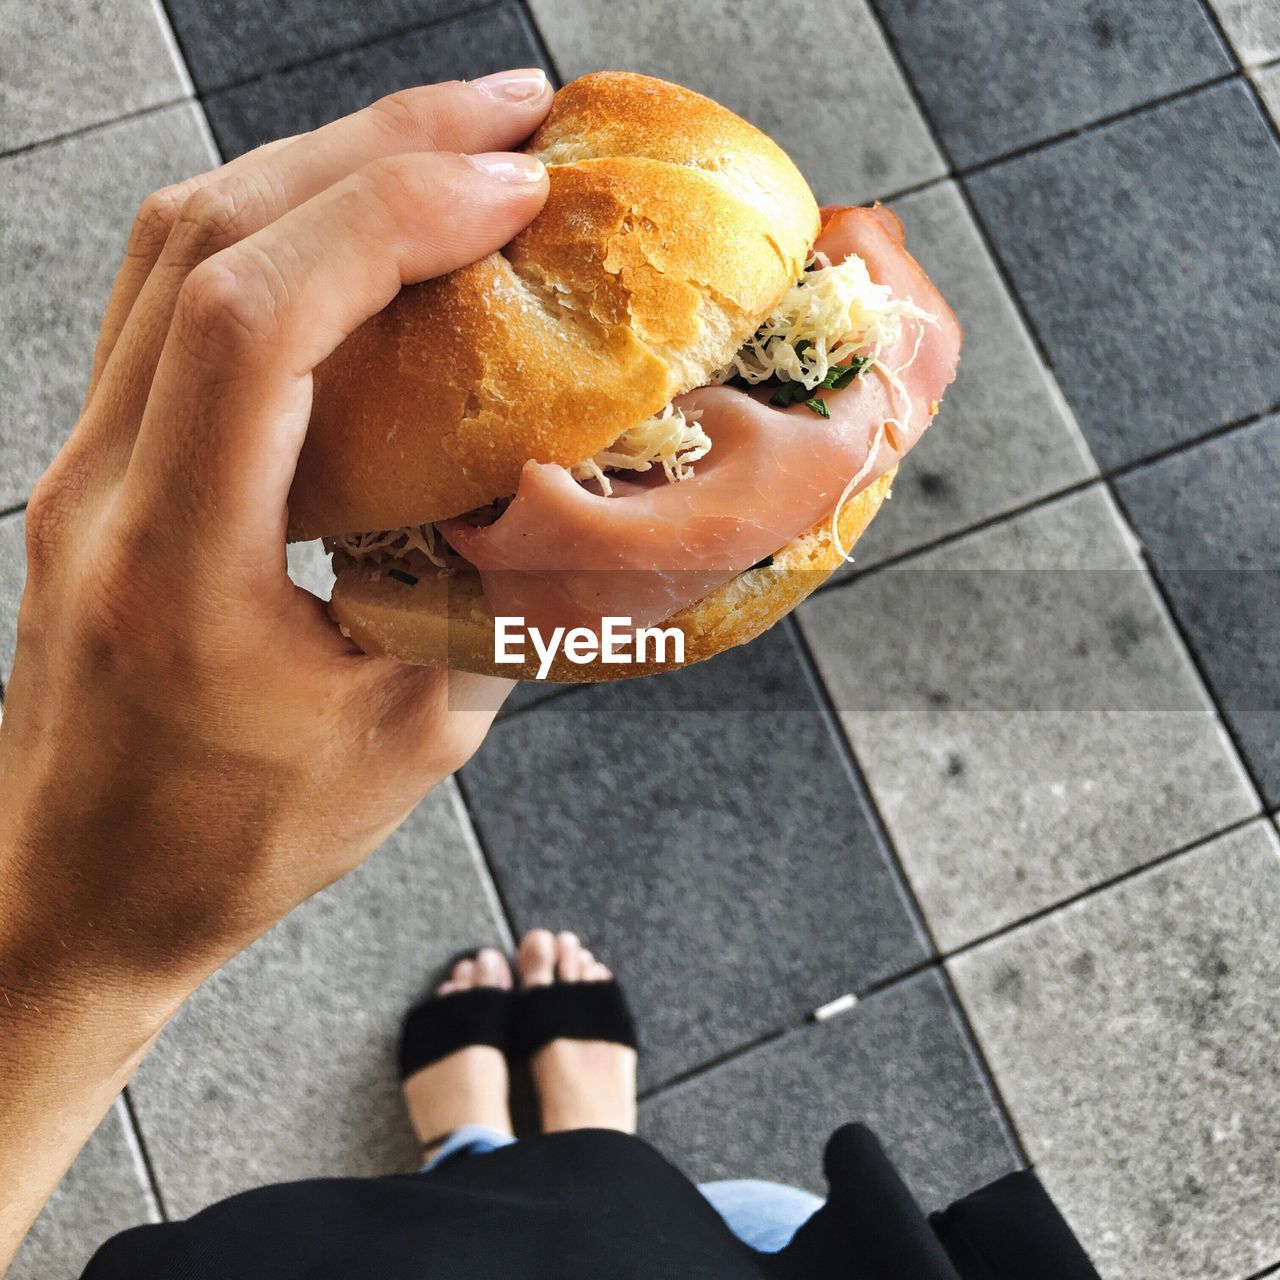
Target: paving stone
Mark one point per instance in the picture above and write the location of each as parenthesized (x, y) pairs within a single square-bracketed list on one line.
[(1133, 1037), (13, 573), (103, 1193), (70, 66), (282, 1065), (1005, 436), (1268, 82), (700, 830), (1207, 518), (809, 93), (1135, 248), (65, 212), (237, 40), (1001, 74), (307, 96), (1026, 718), (310, 568), (1253, 26), (901, 1062)]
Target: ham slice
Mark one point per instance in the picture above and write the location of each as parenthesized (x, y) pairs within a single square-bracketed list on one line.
[(563, 555)]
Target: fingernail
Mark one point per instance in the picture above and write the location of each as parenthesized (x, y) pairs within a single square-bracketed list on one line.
[(523, 85), (509, 166)]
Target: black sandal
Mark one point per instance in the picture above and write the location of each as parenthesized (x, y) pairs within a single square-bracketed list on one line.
[(572, 1011), (440, 1025)]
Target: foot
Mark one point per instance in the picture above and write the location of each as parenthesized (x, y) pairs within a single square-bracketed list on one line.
[(581, 1084), (469, 1086)]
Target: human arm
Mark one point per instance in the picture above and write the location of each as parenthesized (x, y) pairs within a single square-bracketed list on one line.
[(190, 747)]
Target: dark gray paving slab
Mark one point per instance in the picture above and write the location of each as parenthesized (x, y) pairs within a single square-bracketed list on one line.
[(809, 91), (104, 1192), (236, 40), (901, 1062), (282, 1066), (65, 212), (1139, 250), (307, 96), (13, 573), (1001, 74), (1005, 436), (702, 833), (70, 66), (1253, 27), (1027, 719), (1133, 1037), (1208, 520)]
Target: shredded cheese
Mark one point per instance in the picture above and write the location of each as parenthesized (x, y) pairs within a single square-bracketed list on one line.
[(670, 437), (833, 314), (393, 543)]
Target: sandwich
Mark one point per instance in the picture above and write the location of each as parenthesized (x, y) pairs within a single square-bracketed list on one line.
[(671, 404)]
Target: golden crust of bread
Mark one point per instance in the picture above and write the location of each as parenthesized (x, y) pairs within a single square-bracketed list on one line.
[(444, 621), (671, 228)]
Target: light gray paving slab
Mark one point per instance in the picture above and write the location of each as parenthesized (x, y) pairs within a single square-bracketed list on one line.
[(68, 66), (104, 1192), (1027, 720), (282, 1066), (901, 1062), (65, 212), (808, 90), (13, 573), (310, 568), (1005, 436), (1268, 81), (1133, 1036), (1253, 27)]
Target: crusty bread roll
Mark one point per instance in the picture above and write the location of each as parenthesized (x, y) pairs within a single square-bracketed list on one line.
[(672, 227), (444, 621)]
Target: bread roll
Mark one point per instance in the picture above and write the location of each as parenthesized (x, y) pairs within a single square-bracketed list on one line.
[(672, 227)]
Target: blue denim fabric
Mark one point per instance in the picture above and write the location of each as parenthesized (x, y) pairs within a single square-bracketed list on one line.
[(764, 1215)]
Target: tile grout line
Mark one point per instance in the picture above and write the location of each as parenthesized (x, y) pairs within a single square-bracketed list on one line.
[(1273, 1270), (1103, 886), (170, 38), (1102, 122), (506, 916), (96, 127), (1055, 495), (540, 42), (398, 33), (142, 1155), (844, 748), (939, 962), (1193, 656), (1247, 73), (488, 884)]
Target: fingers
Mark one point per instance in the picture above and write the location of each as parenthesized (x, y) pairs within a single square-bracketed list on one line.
[(152, 225), (229, 405), (182, 226)]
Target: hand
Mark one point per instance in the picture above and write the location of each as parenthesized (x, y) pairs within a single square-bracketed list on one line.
[(190, 747)]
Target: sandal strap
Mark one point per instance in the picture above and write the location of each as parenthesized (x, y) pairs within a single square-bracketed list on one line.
[(441, 1025), (573, 1011)]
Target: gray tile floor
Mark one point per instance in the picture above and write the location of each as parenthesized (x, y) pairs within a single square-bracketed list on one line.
[(1007, 781)]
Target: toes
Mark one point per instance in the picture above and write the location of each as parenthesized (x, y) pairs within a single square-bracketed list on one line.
[(602, 973), (568, 957), (464, 974), (536, 958), (492, 969), (447, 988)]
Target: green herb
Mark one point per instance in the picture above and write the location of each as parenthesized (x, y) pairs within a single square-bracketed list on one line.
[(400, 576)]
